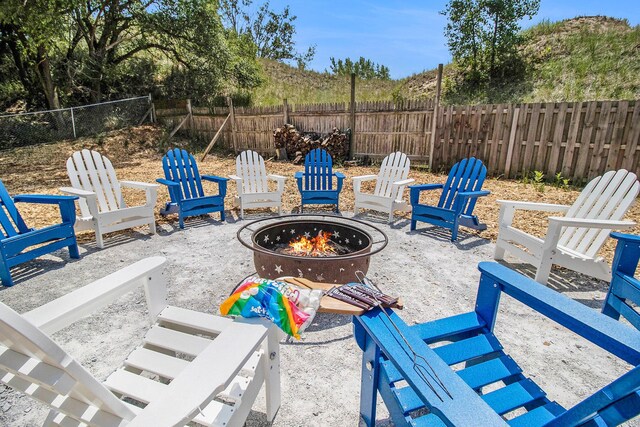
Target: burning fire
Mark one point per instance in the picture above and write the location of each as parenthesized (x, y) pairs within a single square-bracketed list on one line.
[(315, 246)]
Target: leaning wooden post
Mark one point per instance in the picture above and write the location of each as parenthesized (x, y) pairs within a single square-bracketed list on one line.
[(352, 116), (434, 120), (233, 124)]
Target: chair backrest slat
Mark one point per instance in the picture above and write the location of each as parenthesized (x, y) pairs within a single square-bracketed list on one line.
[(34, 363), (607, 197), (180, 166), (395, 167), (318, 172), (250, 167), (10, 219), (90, 171), (466, 175)]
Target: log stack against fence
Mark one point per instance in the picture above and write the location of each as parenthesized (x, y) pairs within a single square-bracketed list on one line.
[(297, 144)]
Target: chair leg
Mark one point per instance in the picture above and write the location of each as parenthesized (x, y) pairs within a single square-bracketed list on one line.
[(152, 226), (499, 252), (272, 373), (368, 386), (391, 216), (544, 269), (413, 225), (454, 231), (181, 220), (222, 215), (5, 274), (99, 239), (73, 250)]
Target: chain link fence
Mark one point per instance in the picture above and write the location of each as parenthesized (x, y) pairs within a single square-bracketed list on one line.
[(18, 130)]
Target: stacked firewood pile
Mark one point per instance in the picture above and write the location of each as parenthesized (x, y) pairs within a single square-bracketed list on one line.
[(297, 144)]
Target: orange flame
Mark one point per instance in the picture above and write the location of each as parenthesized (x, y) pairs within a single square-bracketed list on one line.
[(316, 246)]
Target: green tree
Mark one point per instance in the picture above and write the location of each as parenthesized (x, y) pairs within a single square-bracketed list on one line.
[(273, 33), (28, 35), (87, 50), (483, 37), (363, 68)]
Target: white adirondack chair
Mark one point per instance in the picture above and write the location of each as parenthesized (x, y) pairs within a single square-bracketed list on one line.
[(230, 359), (572, 241), (390, 183), (102, 207), (252, 183)]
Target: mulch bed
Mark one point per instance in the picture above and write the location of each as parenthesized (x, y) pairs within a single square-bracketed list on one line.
[(136, 154)]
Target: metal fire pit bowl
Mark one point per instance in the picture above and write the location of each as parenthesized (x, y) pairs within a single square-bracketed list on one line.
[(263, 236)]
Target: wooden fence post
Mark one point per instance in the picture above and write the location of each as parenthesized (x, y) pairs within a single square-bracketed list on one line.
[(190, 113), (233, 124), (512, 140), (281, 153), (434, 119), (352, 117)]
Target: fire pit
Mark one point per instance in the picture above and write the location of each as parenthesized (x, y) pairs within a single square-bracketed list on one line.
[(320, 248)]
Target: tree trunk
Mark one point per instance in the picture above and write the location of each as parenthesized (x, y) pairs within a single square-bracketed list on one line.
[(43, 71)]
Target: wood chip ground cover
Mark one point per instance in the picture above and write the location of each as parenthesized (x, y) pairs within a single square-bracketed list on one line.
[(136, 155)]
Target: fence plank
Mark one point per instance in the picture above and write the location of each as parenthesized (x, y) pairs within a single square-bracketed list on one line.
[(556, 139)]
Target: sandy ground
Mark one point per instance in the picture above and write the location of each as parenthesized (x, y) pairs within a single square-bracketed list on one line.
[(320, 374)]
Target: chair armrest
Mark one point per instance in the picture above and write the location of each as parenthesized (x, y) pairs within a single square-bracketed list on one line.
[(198, 383), (397, 341), (47, 199), (221, 181), (299, 175), (358, 180), (280, 180), (404, 182), (78, 192), (239, 185), (591, 223), (167, 182), (415, 190), (628, 238), (64, 311), (339, 175), (601, 330), (469, 194), (421, 187), (138, 185), (531, 206), (364, 178), (214, 178)]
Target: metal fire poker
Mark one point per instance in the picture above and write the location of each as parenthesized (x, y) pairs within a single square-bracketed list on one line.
[(418, 368)]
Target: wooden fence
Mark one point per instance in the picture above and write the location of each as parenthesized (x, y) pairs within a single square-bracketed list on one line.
[(580, 140)]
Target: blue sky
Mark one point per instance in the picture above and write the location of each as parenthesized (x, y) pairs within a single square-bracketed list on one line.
[(407, 36)]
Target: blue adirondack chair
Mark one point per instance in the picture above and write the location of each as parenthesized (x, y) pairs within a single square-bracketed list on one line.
[(16, 238), (316, 182), (624, 289), (458, 198), (184, 183), (424, 390)]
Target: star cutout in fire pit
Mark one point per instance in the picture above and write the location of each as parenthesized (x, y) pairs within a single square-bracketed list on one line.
[(293, 231), (336, 234), (266, 239), (277, 238), (278, 268), (307, 235)]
